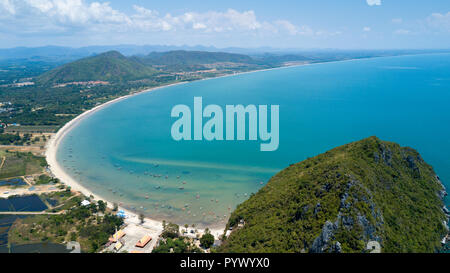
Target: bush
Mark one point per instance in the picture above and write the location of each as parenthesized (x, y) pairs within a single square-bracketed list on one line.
[(171, 231), (207, 240)]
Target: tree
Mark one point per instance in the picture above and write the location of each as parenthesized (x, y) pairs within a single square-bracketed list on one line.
[(207, 240), (170, 231), (115, 207), (141, 218), (101, 206)]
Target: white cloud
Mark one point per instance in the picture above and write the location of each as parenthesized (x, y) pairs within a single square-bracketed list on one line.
[(402, 31), (99, 22), (366, 29), (439, 22), (397, 20), (76, 12), (292, 29), (32, 16), (373, 2), (7, 6)]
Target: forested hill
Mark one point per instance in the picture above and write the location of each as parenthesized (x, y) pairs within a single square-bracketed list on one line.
[(366, 191), (182, 57), (110, 66)]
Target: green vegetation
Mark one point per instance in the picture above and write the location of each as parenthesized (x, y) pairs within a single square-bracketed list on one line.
[(172, 242), (14, 139), (79, 223), (368, 190), (45, 179), (44, 104), (61, 201), (207, 240), (170, 230), (19, 164), (41, 105), (181, 60), (31, 129), (47, 106), (176, 245), (109, 66)]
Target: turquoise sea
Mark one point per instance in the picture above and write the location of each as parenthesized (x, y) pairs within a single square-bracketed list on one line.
[(125, 152)]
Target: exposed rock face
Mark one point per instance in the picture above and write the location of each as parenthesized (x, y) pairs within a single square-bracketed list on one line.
[(324, 242), (366, 191), (386, 154), (442, 193), (321, 242)]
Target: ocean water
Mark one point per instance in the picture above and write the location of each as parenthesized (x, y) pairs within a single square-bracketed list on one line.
[(118, 151)]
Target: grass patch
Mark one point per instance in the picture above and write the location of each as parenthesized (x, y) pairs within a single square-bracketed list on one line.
[(20, 164)]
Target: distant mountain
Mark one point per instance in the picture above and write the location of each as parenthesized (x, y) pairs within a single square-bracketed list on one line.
[(70, 53), (182, 57), (359, 195), (109, 66), (59, 53)]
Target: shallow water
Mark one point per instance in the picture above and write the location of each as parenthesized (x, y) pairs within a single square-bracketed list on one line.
[(117, 151), (13, 182), (22, 203)]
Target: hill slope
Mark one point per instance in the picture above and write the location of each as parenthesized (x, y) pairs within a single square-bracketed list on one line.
[(184, 61), (182, 57), (109, 66), (369, 190)]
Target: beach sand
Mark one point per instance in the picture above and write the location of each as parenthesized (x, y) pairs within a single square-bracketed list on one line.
[(58, 171)]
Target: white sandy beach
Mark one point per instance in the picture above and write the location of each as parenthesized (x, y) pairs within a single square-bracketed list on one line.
[(58, 171)]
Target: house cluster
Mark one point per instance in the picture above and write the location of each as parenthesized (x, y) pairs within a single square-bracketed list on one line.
[(88, 83), (118, 241), (5, 125), (6, 107), (18, 84)]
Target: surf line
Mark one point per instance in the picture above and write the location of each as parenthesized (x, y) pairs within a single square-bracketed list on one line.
[(235, 117)]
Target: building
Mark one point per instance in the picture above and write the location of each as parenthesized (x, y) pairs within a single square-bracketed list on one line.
[(144, 241), (117, 236), (85, 203)]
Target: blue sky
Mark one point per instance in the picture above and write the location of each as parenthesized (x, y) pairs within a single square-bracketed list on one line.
[(348, 24)]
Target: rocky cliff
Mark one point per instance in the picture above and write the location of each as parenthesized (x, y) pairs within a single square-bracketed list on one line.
[(365, 196)]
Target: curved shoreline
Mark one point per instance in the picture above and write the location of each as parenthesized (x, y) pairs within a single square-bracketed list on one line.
[(57, 171), (53, 143)]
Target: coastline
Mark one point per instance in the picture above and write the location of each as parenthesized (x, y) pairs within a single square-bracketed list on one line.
[(58, 171)]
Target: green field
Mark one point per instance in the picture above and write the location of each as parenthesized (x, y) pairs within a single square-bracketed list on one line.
[(19, 164), (31, 129)]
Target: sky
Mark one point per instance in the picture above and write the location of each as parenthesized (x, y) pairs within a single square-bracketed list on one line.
[(344, 24)]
